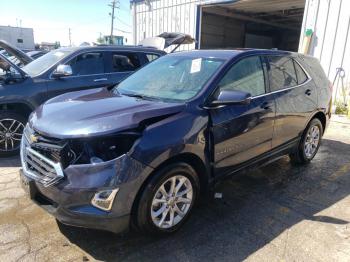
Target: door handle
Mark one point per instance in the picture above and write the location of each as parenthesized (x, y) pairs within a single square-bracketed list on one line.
[(308, 92), (100, 79), (265, 105)]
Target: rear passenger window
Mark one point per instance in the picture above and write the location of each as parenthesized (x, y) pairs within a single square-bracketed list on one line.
[(247, 75), (151, 57), (301, 75), (87, 64), (125, 62), (282, 72)]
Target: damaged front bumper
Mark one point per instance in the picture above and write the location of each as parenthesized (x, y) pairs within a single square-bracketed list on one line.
[(70, 199)]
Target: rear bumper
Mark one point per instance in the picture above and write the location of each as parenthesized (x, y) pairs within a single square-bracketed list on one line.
[(70, 200)]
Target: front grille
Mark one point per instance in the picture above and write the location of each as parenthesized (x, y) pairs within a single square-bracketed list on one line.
[(38, 166), (56, 153), (54, 149)]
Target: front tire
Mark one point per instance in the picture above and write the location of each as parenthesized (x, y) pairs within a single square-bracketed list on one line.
[(309, 143), (167, 200), (11, 130)]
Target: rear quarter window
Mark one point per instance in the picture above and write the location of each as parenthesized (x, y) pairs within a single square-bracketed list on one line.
[(151, 57), (301, 75)]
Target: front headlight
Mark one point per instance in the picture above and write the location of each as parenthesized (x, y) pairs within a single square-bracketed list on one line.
[(100, 149)]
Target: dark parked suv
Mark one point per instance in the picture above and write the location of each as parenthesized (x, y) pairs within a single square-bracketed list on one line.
[(22, 89), (141, 153)]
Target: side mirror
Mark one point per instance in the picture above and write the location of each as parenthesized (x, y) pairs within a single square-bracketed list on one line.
[(62, 70), (232, 97)]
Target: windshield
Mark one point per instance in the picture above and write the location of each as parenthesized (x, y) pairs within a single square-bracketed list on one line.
[(176, 78), (46, 61)]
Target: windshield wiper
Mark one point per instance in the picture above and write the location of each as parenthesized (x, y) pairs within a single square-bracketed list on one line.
[(138, 96)]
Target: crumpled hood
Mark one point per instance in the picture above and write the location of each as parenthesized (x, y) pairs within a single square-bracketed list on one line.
[(95, 112)]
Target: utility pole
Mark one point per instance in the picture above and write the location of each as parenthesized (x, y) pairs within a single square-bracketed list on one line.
[(113, 6), (70, 37)]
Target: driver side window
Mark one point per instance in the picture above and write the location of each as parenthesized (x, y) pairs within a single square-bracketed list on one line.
[(87, 64), (247, 75)]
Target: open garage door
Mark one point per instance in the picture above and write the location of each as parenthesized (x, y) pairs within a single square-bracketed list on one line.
[(252, 24)]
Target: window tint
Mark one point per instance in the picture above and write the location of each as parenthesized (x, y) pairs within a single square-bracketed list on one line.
[(87, 64), (151, 57), (124, 62), (247, 75), (301, 76), (282, 73)]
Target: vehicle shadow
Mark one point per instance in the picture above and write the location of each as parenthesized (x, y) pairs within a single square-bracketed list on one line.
[(255, 208), (10, 161)]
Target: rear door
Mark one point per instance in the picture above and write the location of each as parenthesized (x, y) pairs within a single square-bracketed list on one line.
[(295, 97), (122, 64), (242, 132), (88, 72)]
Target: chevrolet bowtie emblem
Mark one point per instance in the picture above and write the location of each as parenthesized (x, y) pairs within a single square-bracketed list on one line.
[(33, 139)]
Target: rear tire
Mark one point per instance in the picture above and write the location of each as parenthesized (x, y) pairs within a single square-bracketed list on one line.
[(167, 200), (309, 143), (11, 130)]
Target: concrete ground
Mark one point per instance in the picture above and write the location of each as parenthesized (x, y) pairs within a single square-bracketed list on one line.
[(276, 213)]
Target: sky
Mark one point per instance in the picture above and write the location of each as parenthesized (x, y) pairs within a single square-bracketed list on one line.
[(51, 19)]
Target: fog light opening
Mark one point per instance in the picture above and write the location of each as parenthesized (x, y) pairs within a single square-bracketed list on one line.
[(104, 199)]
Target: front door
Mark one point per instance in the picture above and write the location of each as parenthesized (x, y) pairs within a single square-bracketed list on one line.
[(88, 72), (242, 132)]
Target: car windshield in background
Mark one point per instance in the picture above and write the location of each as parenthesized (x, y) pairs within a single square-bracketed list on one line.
[(46, 61), (175, 78)]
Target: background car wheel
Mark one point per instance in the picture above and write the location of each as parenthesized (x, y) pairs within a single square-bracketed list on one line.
[(11, 130), (309, 143), (168, 198)]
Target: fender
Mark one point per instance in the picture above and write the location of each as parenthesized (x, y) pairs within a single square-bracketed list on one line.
[(179, 135)]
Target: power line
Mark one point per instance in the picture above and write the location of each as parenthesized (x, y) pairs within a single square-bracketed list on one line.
[(123, 31), (124, 23)]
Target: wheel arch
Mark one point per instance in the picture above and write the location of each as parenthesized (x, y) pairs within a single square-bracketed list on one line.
[(189, 158), (322, 117), (19, 107)]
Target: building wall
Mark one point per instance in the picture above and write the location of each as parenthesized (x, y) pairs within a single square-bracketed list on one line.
[(14, 34), (151, 18), (216, 32), (330, 43)]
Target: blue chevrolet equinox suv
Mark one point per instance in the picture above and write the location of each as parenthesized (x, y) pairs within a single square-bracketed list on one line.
[(141, 153)]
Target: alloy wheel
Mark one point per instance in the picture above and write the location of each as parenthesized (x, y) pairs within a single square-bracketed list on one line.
[(311, 142), (172, 201), (11, 131)]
